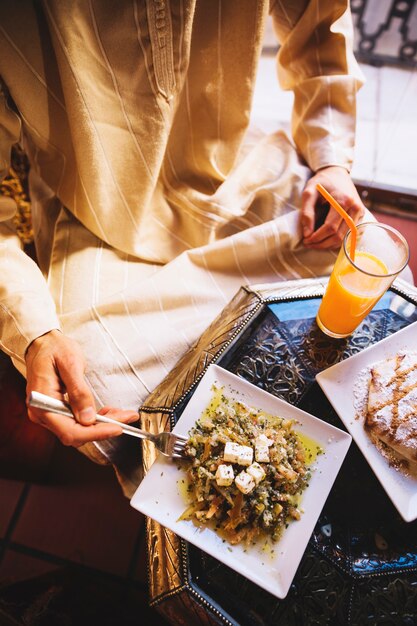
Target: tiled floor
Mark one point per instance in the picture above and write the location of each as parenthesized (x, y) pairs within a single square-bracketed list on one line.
[(74, 524)]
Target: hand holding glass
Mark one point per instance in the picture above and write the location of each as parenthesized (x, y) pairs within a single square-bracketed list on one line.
[(355, 286)]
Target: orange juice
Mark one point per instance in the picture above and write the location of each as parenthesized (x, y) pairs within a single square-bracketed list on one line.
[(351, 294)]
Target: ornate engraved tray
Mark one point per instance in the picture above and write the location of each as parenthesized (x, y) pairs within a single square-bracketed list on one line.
[(360, 566)]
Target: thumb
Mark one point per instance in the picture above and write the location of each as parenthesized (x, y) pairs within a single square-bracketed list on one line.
[(79, 394)]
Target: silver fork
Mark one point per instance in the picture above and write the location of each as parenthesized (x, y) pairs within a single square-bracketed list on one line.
[(170, 444)]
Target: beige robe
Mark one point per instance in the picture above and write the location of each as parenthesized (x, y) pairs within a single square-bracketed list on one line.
[(151, 203)]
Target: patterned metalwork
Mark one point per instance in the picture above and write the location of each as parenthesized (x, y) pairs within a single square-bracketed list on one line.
[(386, 31), (15, 186), (361, 561)]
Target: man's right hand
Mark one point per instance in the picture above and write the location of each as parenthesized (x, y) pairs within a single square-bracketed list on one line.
[(55, 365)]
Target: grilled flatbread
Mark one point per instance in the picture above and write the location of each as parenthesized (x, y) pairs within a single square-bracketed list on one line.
[(391, 415)]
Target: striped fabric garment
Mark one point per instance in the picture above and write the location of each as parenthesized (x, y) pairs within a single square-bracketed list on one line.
[(152, 203)]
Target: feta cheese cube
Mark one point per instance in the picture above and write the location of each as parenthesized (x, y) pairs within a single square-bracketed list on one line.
[(263, 440), (234, 453), (262, 453), (245, 455), (231, 452), (224, 475), (244, 482), (257, 472)]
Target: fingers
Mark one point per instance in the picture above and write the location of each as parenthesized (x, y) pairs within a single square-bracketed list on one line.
[(328, 237), (330, 234), (125, 416), (308, 210), (55, 365), (71, 369), (71, 433)]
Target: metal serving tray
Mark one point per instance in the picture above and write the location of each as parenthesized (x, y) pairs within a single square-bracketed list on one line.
[(361, 561)]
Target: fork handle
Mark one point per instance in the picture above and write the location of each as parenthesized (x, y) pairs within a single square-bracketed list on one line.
[(47, 403)]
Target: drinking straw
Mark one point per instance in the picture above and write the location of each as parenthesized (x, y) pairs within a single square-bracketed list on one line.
[(349, 221)]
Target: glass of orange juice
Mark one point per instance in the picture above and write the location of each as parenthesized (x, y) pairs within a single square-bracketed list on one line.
[(356, 285)]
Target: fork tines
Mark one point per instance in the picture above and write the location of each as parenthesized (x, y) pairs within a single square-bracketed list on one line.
[(178, 447)]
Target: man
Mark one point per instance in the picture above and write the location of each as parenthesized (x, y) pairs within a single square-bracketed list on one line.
[(149, 207)]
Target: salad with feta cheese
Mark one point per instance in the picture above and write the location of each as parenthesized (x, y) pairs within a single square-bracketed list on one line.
[(246, 471)]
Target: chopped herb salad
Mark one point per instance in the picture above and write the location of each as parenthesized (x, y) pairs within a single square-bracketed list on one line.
[(246, 471)]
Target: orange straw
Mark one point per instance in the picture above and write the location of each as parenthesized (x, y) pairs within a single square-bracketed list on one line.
[(349, 221)]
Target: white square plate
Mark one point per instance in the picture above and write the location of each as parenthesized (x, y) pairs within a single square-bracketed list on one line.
[(338, 383), (159, 495)]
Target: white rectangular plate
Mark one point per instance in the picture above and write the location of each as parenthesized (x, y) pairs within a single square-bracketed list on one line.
[(338, 383), (159, 495)]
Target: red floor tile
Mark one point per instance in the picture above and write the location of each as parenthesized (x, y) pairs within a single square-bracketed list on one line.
[(10, 491), (25, 448), (82, 516), (15, 568), (70, 596)]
